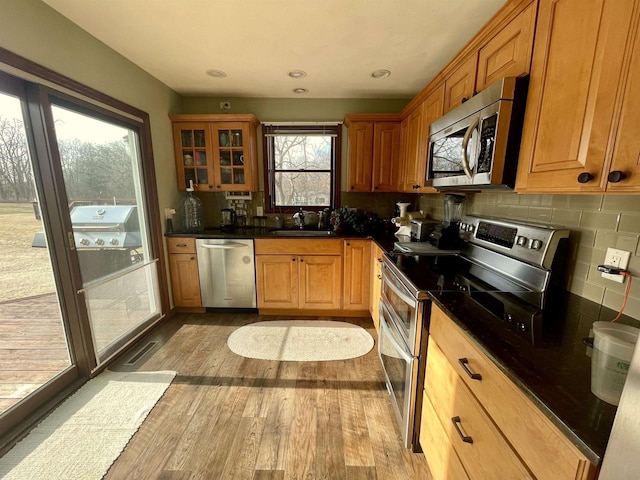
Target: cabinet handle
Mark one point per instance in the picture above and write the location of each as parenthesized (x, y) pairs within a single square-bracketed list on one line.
[(463, 363), (193, 258), (585, 177), (464, 99), (217, 186), (616, 176), (181, 245), (380, 260), (211, 186), (456, 421)]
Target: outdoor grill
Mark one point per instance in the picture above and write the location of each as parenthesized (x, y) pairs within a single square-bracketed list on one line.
[(107, 238)]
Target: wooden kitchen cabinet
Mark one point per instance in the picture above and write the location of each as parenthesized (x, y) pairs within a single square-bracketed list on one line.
[(508, 53), (376, 283), (460, 85), (543, 450), (216, 152), (298, 275), (374, 153), (183, 268), (581, 109), (417, 141), (481, 447), (357, 275), (277, 281)]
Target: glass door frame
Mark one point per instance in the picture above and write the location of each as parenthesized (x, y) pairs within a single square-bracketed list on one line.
[(47, 171)]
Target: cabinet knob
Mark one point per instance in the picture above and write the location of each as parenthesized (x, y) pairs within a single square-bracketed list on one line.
[(585, 177), (375, 188), (352, 187), (348, 244), (217, 186), (379, 277), (616, 176), (293, 259), (211, 186), (464, 99), (416, 186), (301, 260), (193, 258)]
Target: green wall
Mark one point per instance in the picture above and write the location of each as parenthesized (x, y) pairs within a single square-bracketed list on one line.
[(33, 30)]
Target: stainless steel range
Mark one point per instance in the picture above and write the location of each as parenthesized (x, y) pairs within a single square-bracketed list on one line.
[(504, 266), (106, 238)]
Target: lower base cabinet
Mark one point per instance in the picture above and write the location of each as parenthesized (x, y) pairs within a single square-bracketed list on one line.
[(183, 268), (485, 421), (300, 275)]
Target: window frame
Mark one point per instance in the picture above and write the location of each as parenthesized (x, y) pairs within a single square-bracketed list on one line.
[(309, 128)]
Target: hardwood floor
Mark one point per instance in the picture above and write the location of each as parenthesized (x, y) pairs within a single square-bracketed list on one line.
[(230, 417)]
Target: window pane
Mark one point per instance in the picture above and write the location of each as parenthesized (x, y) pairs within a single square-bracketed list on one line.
[(302, 152), (302, 188)]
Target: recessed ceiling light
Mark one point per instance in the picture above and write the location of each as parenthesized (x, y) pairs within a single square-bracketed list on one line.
[(216, 73), (381, 73), (297, 74), (300, 90)]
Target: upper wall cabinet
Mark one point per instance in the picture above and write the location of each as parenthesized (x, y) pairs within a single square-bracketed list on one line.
[(374, 153), (216, 152), (581, 130), (508, 53), (415, 141), (460, 84)]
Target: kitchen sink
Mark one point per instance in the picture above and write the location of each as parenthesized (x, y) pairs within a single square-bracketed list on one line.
[(302, 233)]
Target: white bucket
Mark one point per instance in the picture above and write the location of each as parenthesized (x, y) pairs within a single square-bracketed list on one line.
[(612, 350)]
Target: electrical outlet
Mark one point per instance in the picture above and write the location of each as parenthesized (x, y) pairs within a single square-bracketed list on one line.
[(225, 105), (619, 259)]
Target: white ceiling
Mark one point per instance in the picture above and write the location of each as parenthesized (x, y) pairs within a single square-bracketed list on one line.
[(338, 43)]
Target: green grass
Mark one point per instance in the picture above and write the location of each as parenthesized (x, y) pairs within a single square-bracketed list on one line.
[(25, 271)]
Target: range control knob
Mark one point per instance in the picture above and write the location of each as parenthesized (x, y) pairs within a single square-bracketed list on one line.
[(522, 241), (84, 241), (113, 241), (99, 241), (536, 244), (470, 228)]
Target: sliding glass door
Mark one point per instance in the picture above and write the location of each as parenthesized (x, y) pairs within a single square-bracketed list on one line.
[(100, 162), (79, 241), (33, 341)]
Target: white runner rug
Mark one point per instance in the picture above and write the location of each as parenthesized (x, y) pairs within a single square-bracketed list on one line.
[(83, 436), (300, 340)]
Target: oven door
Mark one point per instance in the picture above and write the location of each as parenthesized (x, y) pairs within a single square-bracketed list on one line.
[(399, 366), (406, 308)]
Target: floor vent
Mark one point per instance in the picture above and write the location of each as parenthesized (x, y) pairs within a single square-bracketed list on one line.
[(140, 353)]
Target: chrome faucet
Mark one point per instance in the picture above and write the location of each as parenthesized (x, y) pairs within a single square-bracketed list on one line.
[(299, 218)]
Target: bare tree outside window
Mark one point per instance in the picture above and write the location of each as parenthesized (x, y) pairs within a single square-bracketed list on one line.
[(301, 166)]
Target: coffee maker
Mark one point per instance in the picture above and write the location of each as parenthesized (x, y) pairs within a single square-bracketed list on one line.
[(446, 235)]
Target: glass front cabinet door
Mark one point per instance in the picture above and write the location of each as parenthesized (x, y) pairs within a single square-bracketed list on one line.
[(216, 152)]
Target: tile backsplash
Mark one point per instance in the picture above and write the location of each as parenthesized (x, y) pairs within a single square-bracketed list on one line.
[(596, 222)]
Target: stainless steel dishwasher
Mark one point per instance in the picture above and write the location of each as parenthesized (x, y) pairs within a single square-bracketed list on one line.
[(227, 273)]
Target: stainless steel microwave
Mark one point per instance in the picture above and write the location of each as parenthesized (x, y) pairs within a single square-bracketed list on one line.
[(476, 145)]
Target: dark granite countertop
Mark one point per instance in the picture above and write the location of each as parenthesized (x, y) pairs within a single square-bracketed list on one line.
[(554, 371)]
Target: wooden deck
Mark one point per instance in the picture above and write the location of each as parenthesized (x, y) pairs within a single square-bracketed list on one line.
[(33, 346)]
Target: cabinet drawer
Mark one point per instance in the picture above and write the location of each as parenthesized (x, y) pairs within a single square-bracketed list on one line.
[(181, 245), (288, 246), (443, 460), (545, 450), (481, 447)]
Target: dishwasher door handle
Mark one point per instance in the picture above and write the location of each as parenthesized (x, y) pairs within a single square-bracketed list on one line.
[(224, 246)]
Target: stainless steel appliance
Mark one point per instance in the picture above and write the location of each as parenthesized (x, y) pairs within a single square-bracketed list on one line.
[(107, 238), (477, 144), (503, 266), (421, 228), (446, 235), (228, 218), (227, 273)]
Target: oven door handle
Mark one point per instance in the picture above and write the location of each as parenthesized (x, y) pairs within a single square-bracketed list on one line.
[(465, 143), (407, 299), (385, 327)]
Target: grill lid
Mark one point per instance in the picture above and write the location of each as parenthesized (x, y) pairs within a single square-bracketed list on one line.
[(121, 218)]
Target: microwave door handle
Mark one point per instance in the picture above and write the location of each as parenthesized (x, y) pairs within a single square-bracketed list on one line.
[(465, 143)]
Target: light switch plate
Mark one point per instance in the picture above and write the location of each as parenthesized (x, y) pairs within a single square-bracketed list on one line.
[(619, 259)]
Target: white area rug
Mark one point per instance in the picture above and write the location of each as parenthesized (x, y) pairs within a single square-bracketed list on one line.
[(82, 437), (300, 340)]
